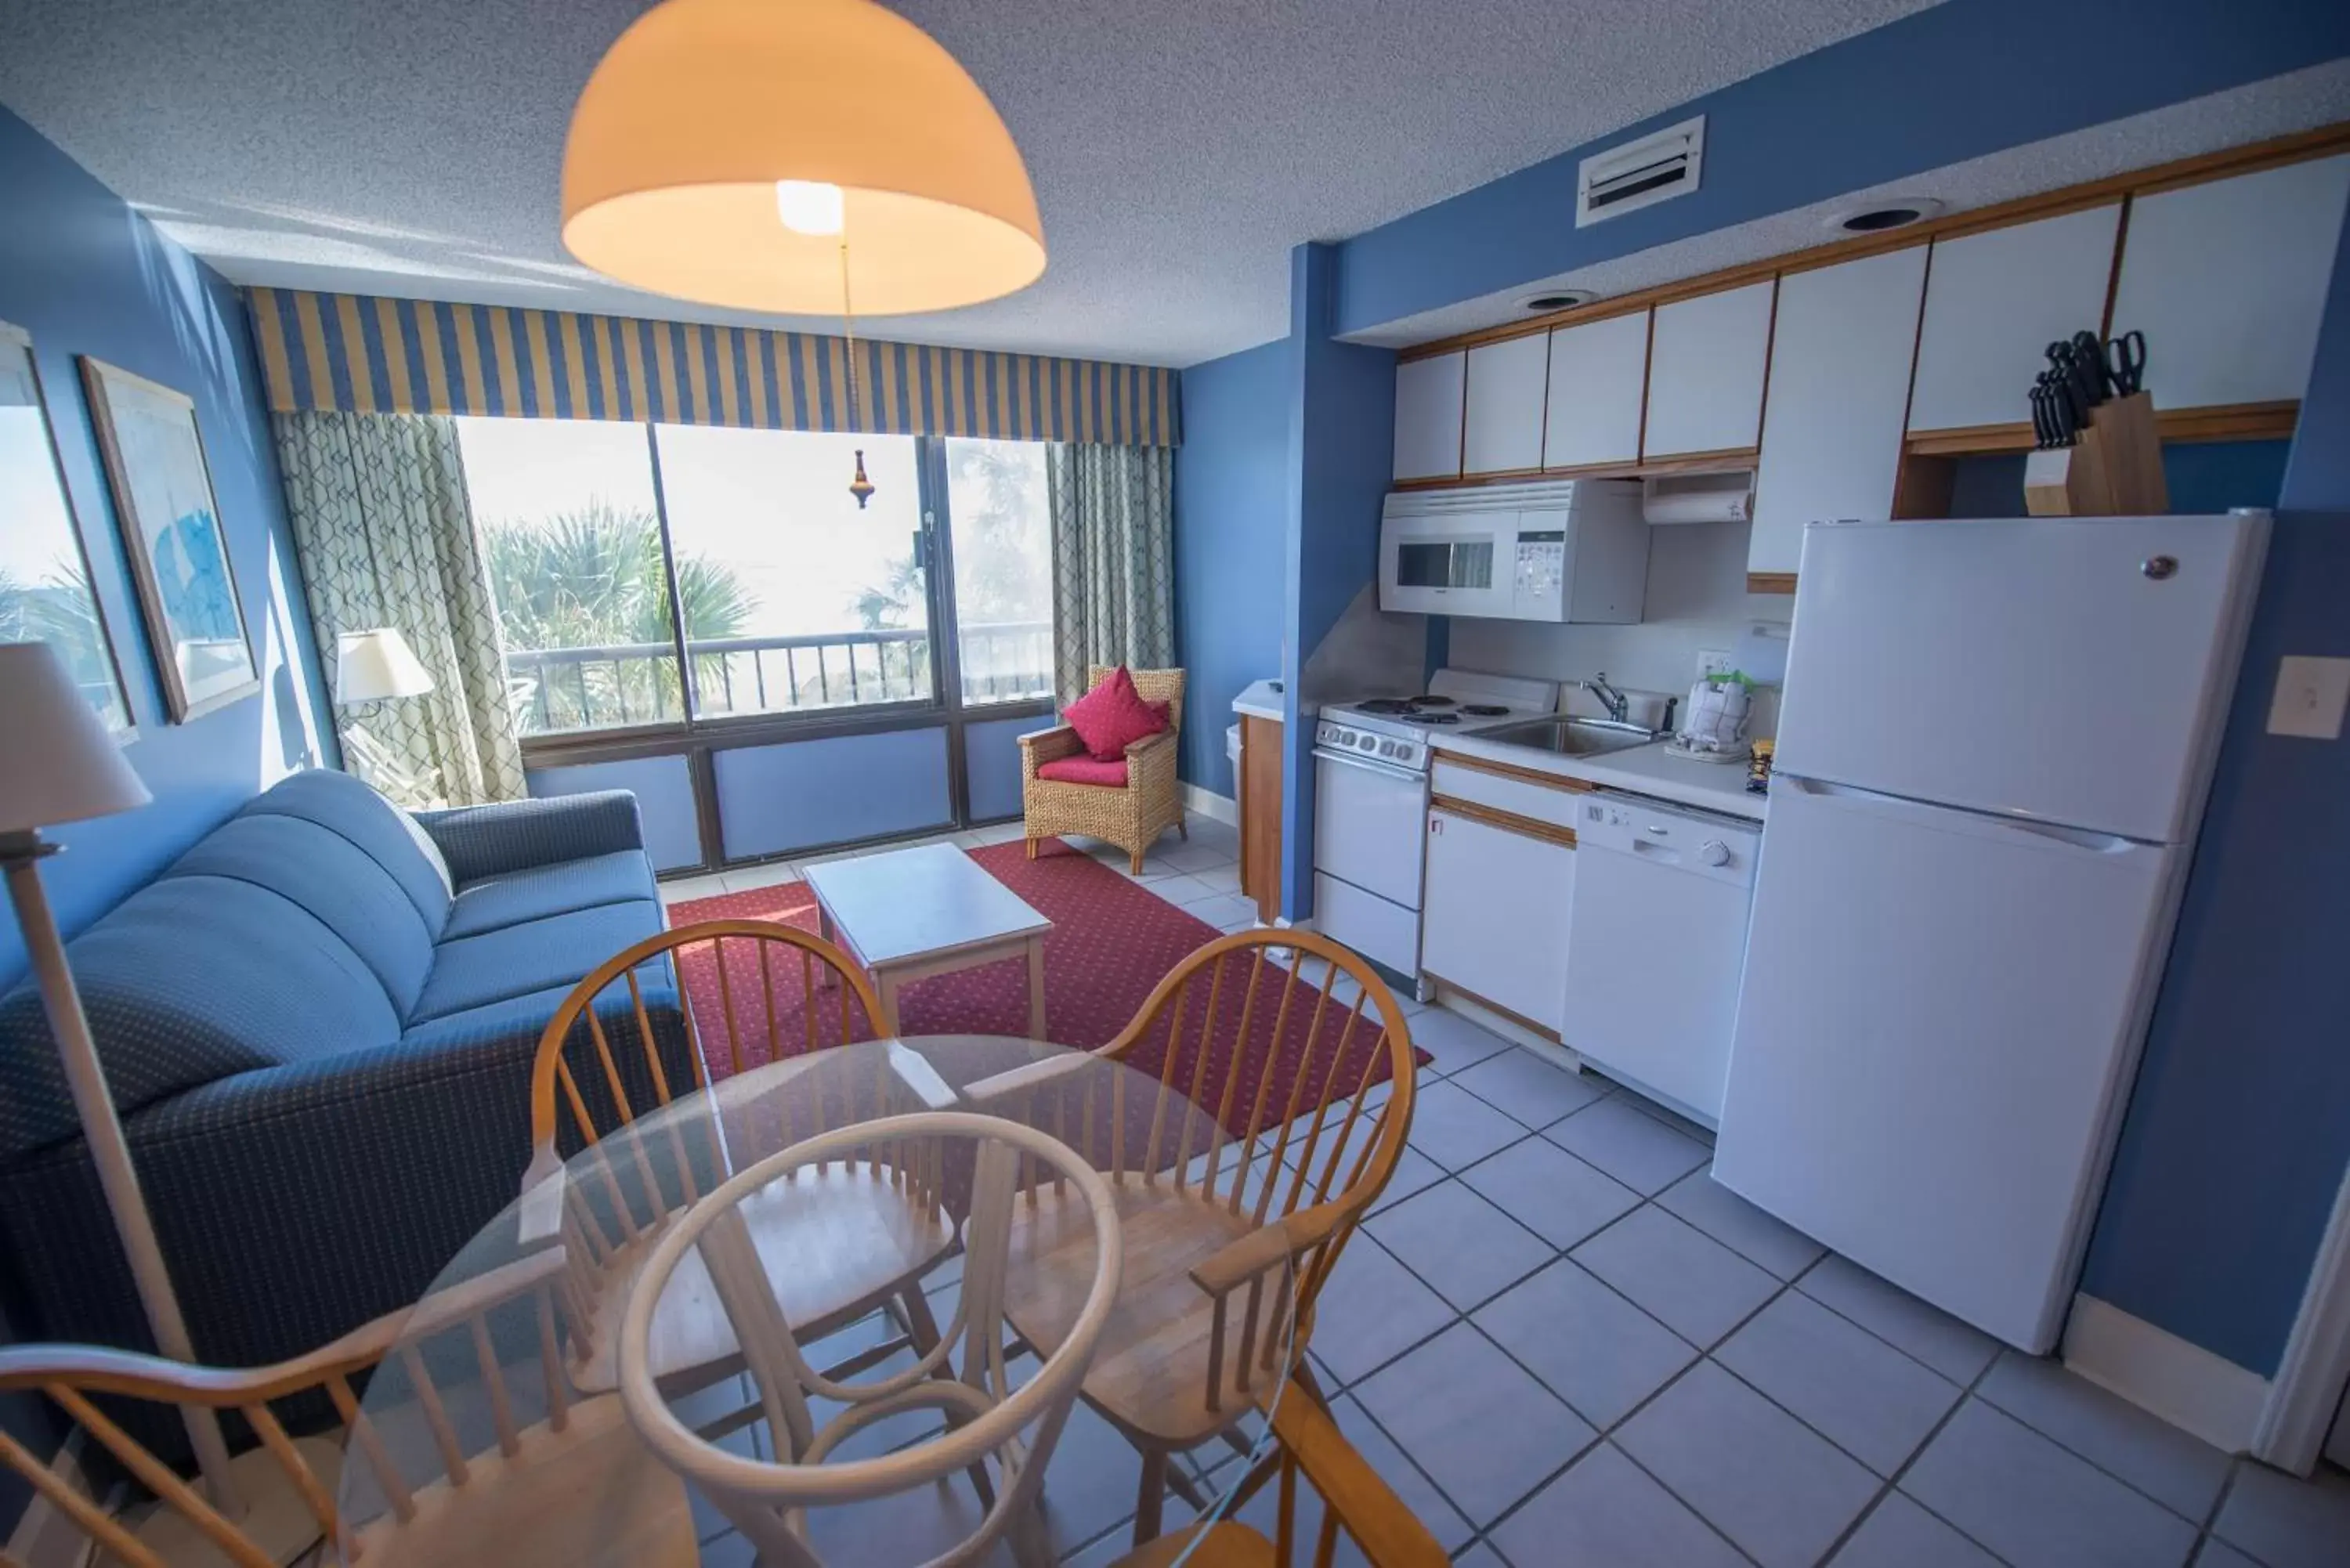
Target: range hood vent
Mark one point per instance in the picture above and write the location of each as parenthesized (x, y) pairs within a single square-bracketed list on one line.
[(1656, 168)]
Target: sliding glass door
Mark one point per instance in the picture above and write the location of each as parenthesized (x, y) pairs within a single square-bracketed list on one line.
[(715, 596)]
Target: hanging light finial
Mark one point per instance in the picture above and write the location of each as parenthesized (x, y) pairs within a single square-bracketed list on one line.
[(860, 486)]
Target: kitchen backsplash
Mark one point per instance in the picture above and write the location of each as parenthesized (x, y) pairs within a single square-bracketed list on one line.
[(1697, 599)]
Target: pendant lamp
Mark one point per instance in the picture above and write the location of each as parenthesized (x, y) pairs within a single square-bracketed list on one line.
[(783, 155)]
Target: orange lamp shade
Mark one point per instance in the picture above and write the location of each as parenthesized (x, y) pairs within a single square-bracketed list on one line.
[(703, 108)]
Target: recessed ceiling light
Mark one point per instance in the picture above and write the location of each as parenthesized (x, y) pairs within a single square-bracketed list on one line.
[(1560, 299), (1884, 212)]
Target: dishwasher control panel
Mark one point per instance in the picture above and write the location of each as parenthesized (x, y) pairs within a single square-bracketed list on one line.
[(1722, 848)]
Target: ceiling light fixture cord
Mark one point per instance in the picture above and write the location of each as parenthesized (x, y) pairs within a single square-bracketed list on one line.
[(859, 486)]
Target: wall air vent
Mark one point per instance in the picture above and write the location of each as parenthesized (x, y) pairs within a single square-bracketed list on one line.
[(1656, 168)]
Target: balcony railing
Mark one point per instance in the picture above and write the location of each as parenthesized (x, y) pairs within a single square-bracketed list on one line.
[(557, 690)]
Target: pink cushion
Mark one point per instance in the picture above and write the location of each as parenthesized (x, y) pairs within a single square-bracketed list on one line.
[(1085, 771), (1113, 716)]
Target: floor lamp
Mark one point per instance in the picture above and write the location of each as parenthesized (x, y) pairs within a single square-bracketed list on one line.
[(58, 764), (377, 667)]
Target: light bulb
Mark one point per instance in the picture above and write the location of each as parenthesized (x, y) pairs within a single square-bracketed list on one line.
[(809, 206)]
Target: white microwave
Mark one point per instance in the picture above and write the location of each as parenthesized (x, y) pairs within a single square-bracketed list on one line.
[(1562, 550)]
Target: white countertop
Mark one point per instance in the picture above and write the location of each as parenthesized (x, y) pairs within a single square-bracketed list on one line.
[(1259, 699), (1649, 770)]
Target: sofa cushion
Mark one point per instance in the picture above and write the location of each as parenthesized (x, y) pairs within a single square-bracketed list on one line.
[(1085, 771), (333, 879), (550, 954), (190, 978), (512, 897), (380, 830)]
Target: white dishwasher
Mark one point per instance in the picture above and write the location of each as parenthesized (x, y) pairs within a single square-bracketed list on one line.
[(1656, 942)]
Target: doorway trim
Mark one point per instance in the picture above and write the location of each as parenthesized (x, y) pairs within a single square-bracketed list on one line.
[(2306, 1393)]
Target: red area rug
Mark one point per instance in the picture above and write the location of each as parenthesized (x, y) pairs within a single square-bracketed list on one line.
[(1112, 942)]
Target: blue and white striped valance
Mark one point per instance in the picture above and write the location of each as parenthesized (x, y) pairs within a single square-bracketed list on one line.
[(358, 354)]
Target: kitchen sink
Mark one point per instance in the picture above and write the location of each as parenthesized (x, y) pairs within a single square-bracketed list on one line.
[(1571, 737)]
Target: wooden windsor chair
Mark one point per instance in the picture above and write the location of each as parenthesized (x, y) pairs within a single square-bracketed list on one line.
[(854, 1238), (1355, 1502), (990, 1424), (515, 1474), (1221, 1226)]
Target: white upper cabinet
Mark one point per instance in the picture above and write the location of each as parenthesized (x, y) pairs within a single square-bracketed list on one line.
[(1428, 418), (1839, 381), (2228, 281), (1598, 374), (1994, 302), (1505, 419), (1705, 373)]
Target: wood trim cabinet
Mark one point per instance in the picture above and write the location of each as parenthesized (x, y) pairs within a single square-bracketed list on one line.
[(1598, 385), (1258, 784), (1501, 420), (1839, 389), (1428, 414), (2228, 280), (1994, 301), (1707, 359)]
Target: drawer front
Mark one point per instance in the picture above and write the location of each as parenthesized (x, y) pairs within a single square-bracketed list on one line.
[(1519, 792)]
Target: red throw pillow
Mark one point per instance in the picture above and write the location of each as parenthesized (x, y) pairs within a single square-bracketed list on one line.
[(1112, 717)]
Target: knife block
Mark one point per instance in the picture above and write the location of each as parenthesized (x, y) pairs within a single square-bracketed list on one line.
[(2114, 469)]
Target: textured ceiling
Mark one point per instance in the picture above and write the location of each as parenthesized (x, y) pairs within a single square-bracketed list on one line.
[(1179, 147), (2301, 100)]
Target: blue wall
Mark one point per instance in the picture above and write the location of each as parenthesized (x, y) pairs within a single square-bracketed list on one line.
[(774, 799), (2201, 476), (84, 275), (1341, 460), (2238, 1135), (1947, 84), (1231, 543), (664, 790)]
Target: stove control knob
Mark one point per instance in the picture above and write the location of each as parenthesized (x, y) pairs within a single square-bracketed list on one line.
[(1367, 743), (1713, 851), (1387, 748)]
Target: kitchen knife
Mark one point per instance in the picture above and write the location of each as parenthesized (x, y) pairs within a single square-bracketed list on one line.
[(2089, 357)]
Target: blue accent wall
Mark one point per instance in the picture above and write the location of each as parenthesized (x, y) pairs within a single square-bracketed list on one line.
[(1944, 84), (806, 795), (665, 792), (2238, 1135), (1231, 543), (84, 275), (1341, 461), (991, 761)]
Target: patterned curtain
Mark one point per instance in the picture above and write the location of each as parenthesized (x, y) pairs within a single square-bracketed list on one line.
[(1113, 559), (386, 537)]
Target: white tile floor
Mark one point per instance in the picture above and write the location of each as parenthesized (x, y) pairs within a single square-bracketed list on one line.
[(1564, 1343)]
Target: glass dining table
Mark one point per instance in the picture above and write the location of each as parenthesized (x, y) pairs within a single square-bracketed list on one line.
[(493, 1432)]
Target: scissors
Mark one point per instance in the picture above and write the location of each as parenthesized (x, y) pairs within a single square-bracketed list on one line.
[(2125, 362)]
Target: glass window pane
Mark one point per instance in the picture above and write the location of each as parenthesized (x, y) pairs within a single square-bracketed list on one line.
[(794, 597), (565, 510), (998, 501)]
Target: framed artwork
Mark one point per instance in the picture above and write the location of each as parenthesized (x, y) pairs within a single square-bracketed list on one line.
[(46, 593), (179, 554)]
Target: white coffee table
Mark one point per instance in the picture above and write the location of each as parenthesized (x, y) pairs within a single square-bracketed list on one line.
[(913, 913)]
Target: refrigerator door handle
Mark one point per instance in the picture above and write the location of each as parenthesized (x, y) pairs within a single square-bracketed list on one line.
[(1902, 808)]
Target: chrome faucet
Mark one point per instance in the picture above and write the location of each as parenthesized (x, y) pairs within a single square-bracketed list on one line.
[(1619, 706)]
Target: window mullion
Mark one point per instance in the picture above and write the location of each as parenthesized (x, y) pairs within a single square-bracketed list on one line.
[(685, 683)]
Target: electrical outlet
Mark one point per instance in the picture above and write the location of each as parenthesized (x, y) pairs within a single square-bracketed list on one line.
[(2310, 696), (1713, 661)]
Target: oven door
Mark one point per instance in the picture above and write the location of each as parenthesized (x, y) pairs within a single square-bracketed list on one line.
[(1369, 818), (1430, 566)]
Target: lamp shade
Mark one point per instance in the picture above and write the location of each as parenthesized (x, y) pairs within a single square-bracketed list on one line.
[(57, 763), (725, 149), (372, 665)]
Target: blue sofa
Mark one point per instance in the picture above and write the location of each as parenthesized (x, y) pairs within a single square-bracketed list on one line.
[(318, 1025)]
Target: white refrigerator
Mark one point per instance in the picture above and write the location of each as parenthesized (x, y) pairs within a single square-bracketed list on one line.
[(1994, 750)]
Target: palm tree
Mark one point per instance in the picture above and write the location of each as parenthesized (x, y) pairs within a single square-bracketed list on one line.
[(594, 577)]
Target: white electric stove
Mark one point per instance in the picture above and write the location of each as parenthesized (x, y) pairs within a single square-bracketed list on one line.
[(1370, 802)]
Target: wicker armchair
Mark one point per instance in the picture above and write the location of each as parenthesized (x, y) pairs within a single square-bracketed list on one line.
[(1132, 817)]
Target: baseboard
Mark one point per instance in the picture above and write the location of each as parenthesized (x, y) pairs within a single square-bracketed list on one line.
[(44, 1536), (2153, 1368), (1207, 803)]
